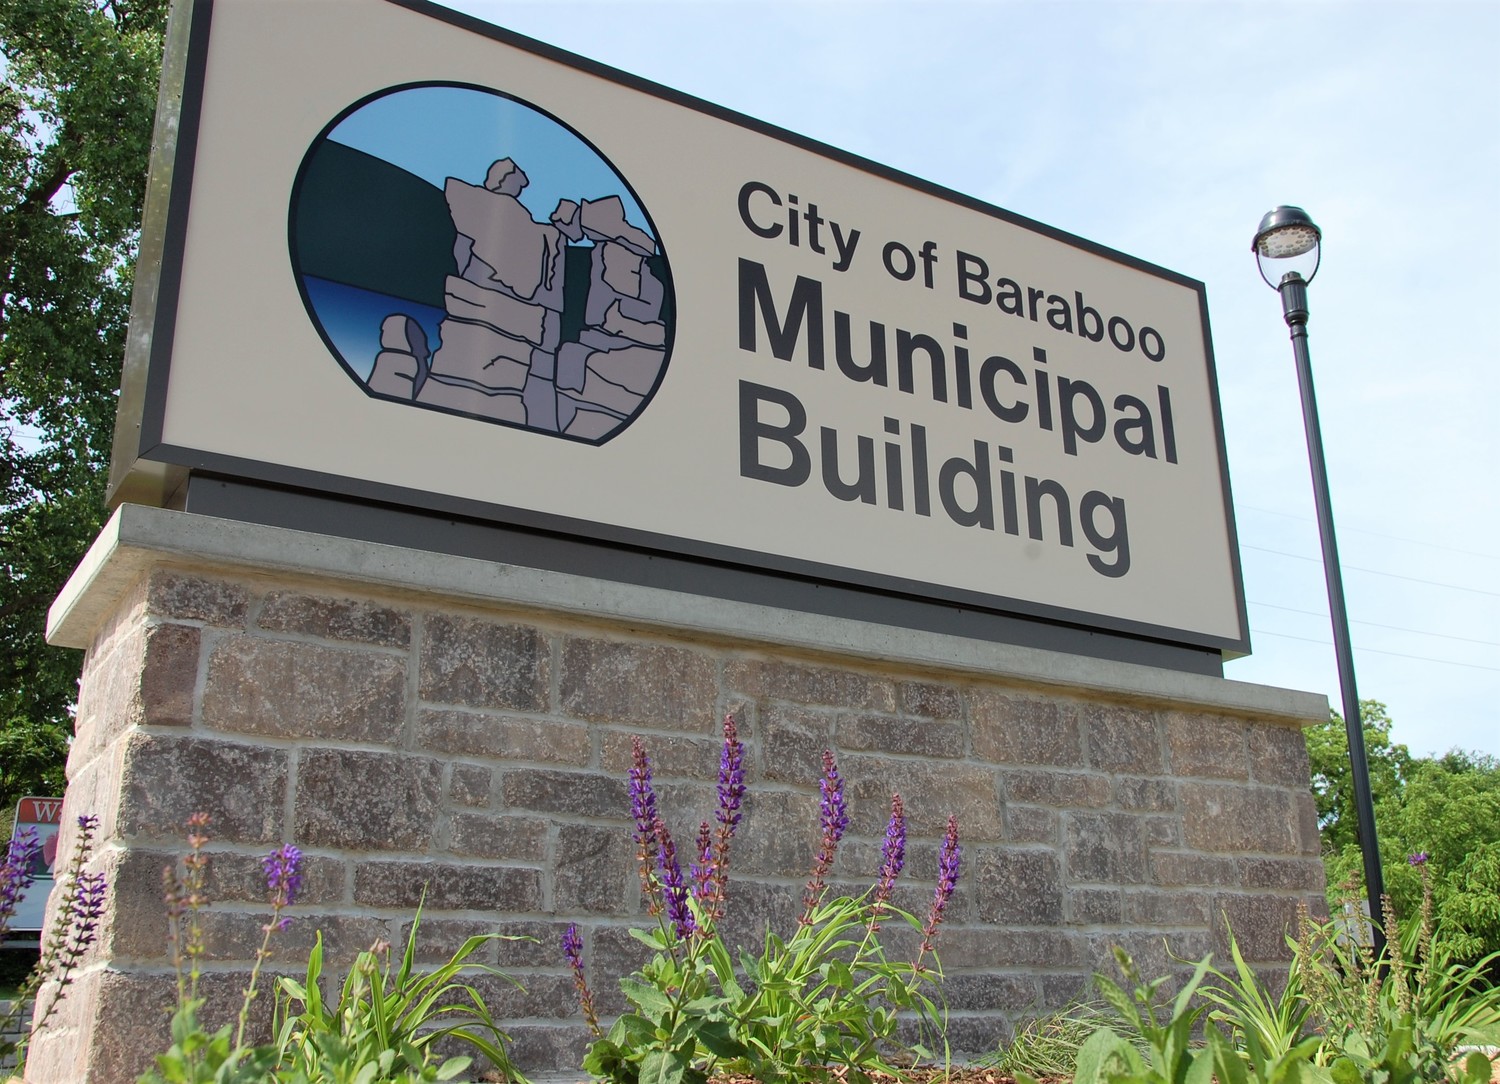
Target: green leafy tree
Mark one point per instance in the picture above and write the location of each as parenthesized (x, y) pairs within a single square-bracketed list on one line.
[(76, 112), (1446, 808)]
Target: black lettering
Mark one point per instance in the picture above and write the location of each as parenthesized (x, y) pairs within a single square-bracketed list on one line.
[(1145, 444), (1116, 542), (863, 487), (1168, 433), (1068, 394), (748, 189), (894, 489), (907, 344), (1008, 297), (1058, 313), (1033, 295), (1087, 318), (875, 371), (971, 271), (1119, 323), (753, 431), (908, 261), (1157, 352), (1016, 411), (921, 498), (1036, 489), (806, 302), (983, 512)]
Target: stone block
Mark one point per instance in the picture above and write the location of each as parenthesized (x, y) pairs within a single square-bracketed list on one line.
[(241, 878), (1066, 790), (1030, 824), (449, 886), (1019, 887), (167, 779), (1152, 907), (293, 689), (1309, 841), (930, 700), (973, 990), (1260, 923), (483, 664), (1010, 728), (1218, 817), (1288, 874), (1000, 947), (795, 683), (590, 867), (1094, 906), (235, 935), (1122, 739), (585, 794), (931, 790), (1162, 831), (476, 734), (778, 836), (1206, 745), (1146, 795), (180, 596), (672, 756), (541, 1047), (1105, 848), (792, 742), (135, 918), (471, 785), (905, 737), (336, 619), (518, 839), (367, 801), (640, 684), (1278, 755), (1172, 869), (168, 675)]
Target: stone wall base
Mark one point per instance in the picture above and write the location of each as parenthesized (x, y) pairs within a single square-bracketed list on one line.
[(430, 727)]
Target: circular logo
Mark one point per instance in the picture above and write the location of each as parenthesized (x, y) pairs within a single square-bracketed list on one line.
[(461, 250)]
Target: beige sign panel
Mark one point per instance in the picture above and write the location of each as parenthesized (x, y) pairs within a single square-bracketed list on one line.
[(432, 260)]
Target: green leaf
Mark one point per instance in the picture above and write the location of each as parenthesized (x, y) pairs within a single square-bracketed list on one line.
[(651, 1001)]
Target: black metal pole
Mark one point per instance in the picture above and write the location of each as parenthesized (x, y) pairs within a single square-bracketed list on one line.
[(1294, 304)]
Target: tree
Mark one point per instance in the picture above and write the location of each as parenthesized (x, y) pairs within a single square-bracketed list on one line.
[(1446, 809), (76, 113)]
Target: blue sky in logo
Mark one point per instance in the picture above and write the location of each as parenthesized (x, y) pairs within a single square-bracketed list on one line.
[(441, 132)]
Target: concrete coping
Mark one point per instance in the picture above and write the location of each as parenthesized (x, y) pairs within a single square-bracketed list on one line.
[(138, 538)]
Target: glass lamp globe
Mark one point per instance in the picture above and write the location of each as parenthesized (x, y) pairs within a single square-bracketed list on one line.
[(1287, 243)]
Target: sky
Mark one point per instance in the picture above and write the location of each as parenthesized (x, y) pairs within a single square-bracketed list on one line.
[(1166, 130)]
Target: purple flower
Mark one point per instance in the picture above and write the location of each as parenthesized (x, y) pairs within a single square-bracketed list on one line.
[(83, 919), (731, 798), (283, 868), (833, 816), (16, 873), (674, 890), (1418, 859), (572, 946), (703, 870), (892, 858), (948, 865), (643, 812)]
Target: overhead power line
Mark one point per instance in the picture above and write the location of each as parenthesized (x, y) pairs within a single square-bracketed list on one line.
[(1378, 625), (1377, 534), (1376, 572), (1377, 651)]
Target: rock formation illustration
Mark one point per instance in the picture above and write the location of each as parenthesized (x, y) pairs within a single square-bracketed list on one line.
[(558, 326)]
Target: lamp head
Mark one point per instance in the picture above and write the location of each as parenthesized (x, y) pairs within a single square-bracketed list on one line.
[(1287, 243)]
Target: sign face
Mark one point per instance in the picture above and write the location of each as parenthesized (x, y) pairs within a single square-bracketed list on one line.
[(435, 264), (41, 816)]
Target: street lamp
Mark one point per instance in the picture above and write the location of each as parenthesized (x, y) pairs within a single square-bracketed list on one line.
[(1288, 249)]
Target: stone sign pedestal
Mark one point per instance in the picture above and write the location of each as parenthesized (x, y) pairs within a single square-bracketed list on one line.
[(420, 723)]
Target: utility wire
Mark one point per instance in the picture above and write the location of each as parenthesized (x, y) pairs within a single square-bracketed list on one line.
[(1377, 534), (1375, 571), (1377, 624), (1377, 651)]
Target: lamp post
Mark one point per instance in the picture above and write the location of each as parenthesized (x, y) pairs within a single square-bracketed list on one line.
[(1288, 250)]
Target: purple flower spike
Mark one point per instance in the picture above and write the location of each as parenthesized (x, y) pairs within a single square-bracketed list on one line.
[(283, 875), (16, 872), (643, 812), (572, 946), (949, 860), (833, 815), (674, 890), (892, 858), (703, 868), (1418, 859), (731, 798)]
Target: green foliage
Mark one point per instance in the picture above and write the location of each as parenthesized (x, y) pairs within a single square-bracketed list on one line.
[(1047, 1045), (382, 1026), (75, 128), (821, 1001), (1447, 808)]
